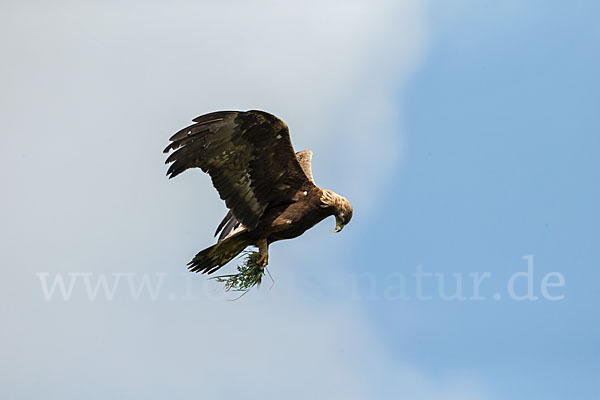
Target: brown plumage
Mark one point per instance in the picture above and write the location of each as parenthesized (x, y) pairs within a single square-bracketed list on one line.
[(267, 187)]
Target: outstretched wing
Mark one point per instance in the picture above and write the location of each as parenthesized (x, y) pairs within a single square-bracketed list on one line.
[(248, 155)]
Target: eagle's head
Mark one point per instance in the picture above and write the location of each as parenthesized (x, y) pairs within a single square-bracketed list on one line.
[(339, 206)]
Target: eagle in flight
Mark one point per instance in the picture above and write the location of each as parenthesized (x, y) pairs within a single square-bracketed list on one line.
[(267, 187)]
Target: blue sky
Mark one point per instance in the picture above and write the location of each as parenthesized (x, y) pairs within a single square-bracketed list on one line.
[(501, 162), (465, 133)]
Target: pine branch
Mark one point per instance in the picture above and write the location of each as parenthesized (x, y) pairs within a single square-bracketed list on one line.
[(250, 274)]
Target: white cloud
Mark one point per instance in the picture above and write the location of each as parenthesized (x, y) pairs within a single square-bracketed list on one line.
[(91, 94)]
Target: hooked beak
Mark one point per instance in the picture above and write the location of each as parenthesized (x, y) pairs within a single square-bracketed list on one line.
[(338, 225)]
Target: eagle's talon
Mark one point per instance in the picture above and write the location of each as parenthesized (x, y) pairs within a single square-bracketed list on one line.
[(263, 251), (263, 260)]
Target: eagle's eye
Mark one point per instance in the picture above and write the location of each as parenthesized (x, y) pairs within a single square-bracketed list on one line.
[(347, 217)]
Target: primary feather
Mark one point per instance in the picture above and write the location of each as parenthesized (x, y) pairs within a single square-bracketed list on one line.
[(248, 155)]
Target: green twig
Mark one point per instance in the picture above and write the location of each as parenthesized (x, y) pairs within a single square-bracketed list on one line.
[(250, 274)]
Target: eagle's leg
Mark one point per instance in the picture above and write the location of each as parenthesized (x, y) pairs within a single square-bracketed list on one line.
[(263, 250)]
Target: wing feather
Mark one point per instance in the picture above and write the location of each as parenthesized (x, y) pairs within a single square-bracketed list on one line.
[(249, 157)]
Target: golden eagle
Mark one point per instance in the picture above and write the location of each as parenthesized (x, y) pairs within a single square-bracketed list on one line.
[(267, 187)]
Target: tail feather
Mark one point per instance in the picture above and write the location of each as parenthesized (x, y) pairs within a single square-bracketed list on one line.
[(211, 259)]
